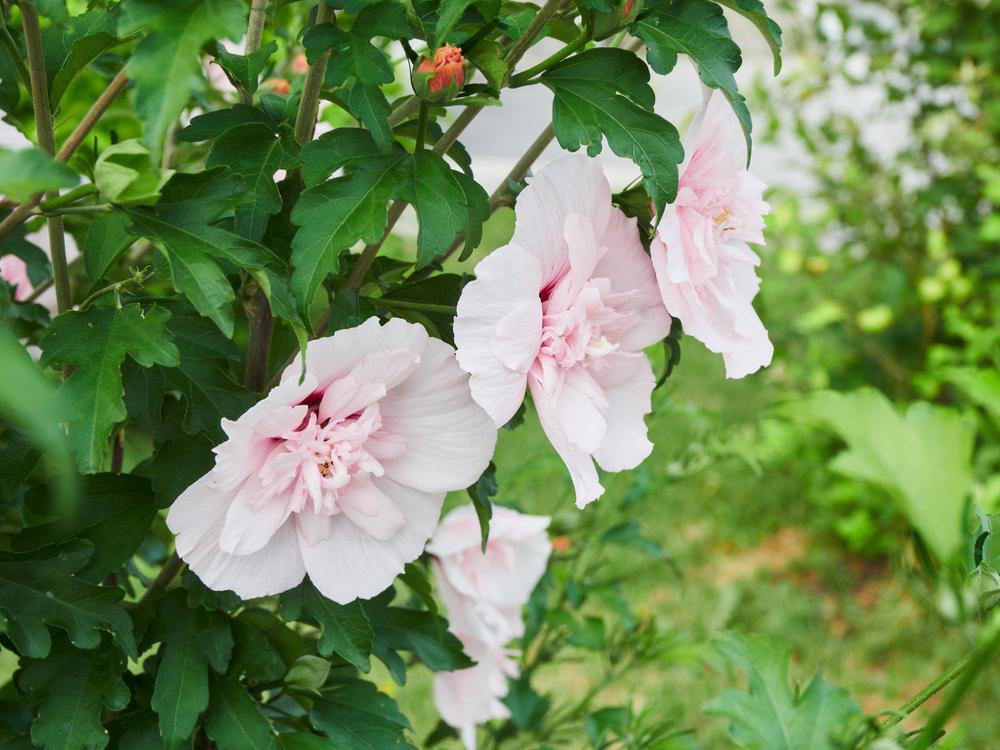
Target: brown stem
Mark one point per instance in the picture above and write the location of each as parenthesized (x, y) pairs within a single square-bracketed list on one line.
[(47, 141), (167, 573), (23, 212), (117, 451), (255, 31), (305, 119)]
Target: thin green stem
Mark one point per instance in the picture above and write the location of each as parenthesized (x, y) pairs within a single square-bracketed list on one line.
[(97, 208), (171, 568), (47, 141), (979, 658), (421, 128), (404, 110), (528, 37), (71, 196), (305, 119), (524, 78), (941, 682), (403, 304)]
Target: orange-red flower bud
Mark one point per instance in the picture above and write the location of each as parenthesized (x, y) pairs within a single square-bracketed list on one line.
[(561, 543), (278, 85), (300, 64), (438, 80)]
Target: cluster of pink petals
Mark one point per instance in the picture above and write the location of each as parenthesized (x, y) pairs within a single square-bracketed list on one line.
[(14, 271), (566, 309), (339, 474), (484, 593), (704, 265)]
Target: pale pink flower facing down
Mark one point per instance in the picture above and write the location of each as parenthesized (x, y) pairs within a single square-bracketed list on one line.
[(566, 310), (340, 476), (483, 594), (704, 266), (14, 271)]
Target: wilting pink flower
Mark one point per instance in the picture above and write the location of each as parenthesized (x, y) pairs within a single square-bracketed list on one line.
[(14, 271), (483, 594), (704, 266), (341, 476), (567, 308)]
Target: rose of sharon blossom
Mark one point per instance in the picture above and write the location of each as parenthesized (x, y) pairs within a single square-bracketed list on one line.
[(341, 476), (704, 266), (483, 594), (566, 309)]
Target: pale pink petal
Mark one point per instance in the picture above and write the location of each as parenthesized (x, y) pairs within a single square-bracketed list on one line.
[(449, 439), (350, 564), (630, 271), (497, 329), (628, 386), (196, 518), (571, 185), (580, 405), (369, 508), (580, 464), (334, 356)]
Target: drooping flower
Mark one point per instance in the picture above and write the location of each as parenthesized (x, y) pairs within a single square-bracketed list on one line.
[(566, 309), (483, 594), (439, 79), (704, 265), (14, 271), (341, 476), (485, 591)]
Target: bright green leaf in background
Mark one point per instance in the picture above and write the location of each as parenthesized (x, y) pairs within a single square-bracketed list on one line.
[(922, 457), (756, 13), (25, 173), (771, 715), (125, 174)]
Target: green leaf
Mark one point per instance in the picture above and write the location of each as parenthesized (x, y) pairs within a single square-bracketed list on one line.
[(424, 634), (72, 44), (770, 715), (482, 494), (126, 175), (352, 56), (245, 70), (107, 238), (194, 639), (214, 124), (628, 534), (254, 153), (387, 19), (71, 688), (437, 196), (449, 11), (923, 458), (302, 741), (982, 386), (38, 591), (114, 513), (195, 272), (28, 172), (605, 93), (166, 65), (234, 720), (334, 215), (367, 103), (755, 12), (489, 58), (334, 150), (698, 29), (345, 628), (308, 674), (96, 342), (357, 717), (254, 655), (527, 708), (209, 391)]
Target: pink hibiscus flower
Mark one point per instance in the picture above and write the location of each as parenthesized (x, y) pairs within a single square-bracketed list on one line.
[(341, 476), (566, 309), (704, 266), (483, 594)]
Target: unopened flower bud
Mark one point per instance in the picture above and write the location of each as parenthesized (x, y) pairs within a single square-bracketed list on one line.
[(609, 22), (300, 64), (278, 85), (439, 80)]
